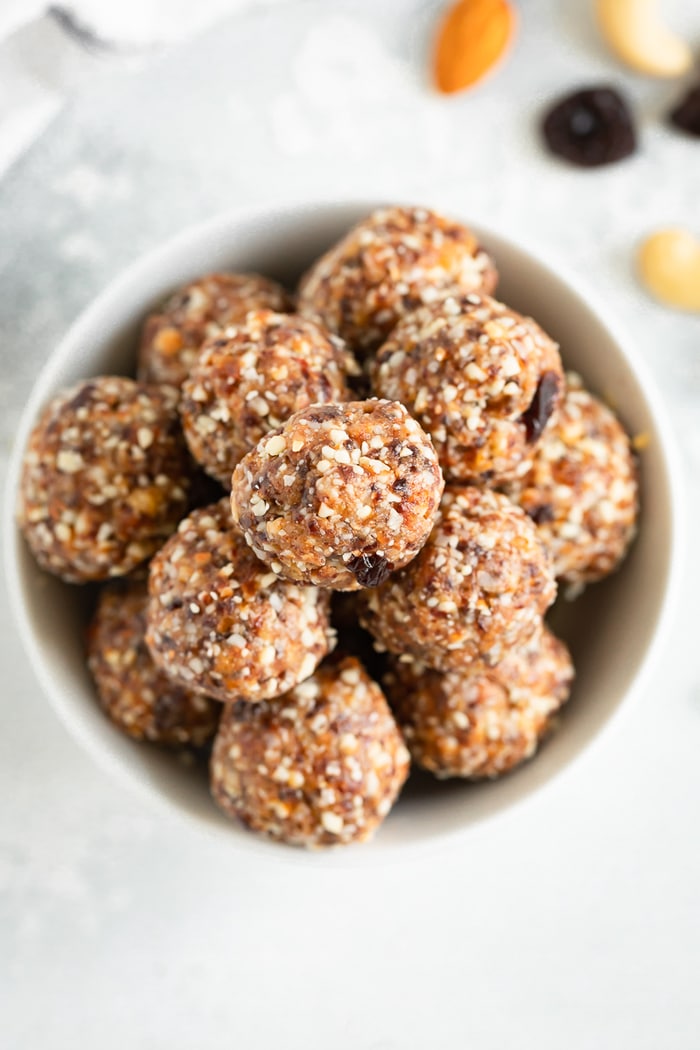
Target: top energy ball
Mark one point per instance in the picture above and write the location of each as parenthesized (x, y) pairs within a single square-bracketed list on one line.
[(340, 496), (389, 264)]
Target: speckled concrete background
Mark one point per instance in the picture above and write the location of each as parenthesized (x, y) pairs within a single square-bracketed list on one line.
[(577, 918)]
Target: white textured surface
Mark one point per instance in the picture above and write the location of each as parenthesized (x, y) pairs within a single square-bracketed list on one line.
[(573, 922)]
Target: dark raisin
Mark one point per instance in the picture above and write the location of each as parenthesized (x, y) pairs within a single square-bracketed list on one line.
[(242, 709), (591, 127), (542, 514), (323, 413), (83, 397), (686, 115), (370, 570), (166, 712), (537, 415)]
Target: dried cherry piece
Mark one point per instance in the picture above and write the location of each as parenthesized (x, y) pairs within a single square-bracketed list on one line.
[(591, 127), (536, 417), (542, 514), (370, 570), (686, 115)]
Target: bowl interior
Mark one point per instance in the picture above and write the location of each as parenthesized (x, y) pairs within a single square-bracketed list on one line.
[(610, 629)]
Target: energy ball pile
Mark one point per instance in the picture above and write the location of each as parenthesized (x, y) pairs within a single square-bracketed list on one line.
[(438, 513)]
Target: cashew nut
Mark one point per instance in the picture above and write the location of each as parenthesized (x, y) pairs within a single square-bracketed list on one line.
[(669, 265), (634, 31)]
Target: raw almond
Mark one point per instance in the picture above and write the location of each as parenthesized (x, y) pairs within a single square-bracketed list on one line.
[(471, 39)]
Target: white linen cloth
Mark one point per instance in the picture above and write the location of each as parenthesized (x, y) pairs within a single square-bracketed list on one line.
[(47, 51)]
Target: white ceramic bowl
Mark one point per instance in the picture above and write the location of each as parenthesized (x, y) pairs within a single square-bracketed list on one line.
[(614, 630)]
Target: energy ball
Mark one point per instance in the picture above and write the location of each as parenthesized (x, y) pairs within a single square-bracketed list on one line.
[(479, 586), (390, 263), (481, 721), (480, 378), (251, 379), (105, 478), (172, 337), (221, 623), (582, 489), (139, 698), (321, 766), (341, 495)]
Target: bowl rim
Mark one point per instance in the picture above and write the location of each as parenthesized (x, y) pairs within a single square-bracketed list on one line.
[(117, 288)]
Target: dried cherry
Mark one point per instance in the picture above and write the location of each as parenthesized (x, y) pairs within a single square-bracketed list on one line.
[(591, 127), (686, 115)]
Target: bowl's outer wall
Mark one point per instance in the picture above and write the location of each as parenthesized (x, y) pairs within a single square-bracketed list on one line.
[(610, 629)]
